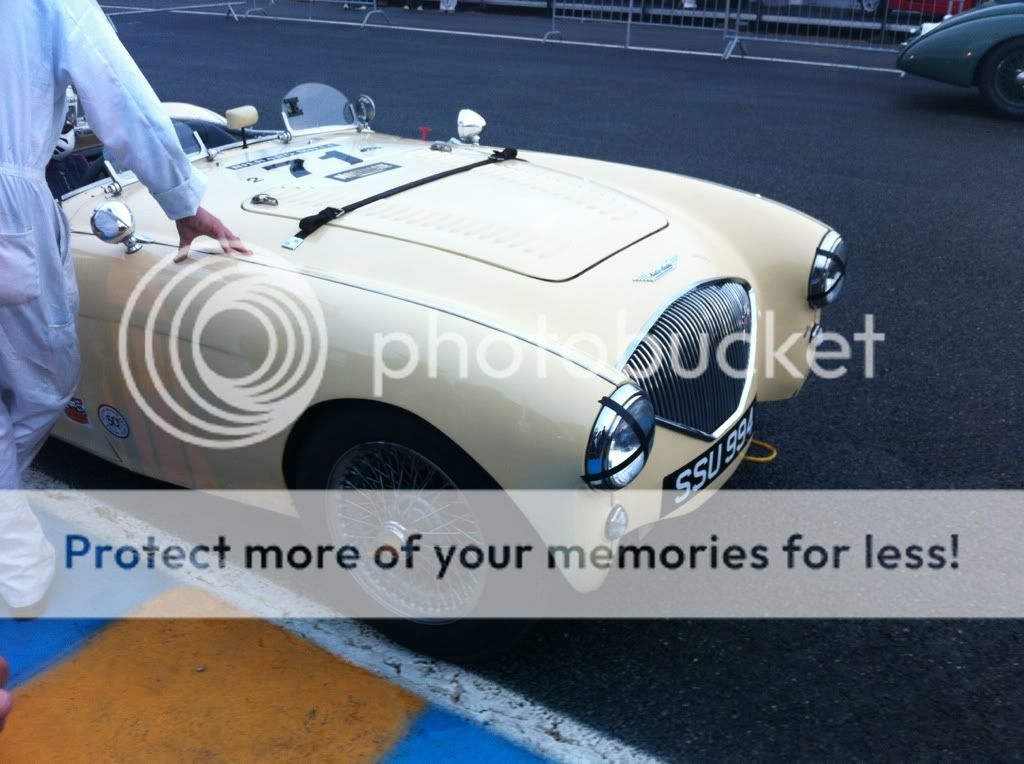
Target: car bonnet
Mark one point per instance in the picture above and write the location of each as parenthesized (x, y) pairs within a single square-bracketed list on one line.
[(512, 215)]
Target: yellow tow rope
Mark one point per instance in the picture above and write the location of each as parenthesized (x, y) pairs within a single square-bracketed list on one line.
[(771, 452)]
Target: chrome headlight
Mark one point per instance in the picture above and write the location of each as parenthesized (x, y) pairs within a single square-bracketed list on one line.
[(621, 440), (828, 272)]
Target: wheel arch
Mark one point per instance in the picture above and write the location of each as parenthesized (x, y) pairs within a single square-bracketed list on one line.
[(315, 415), (980, 66)]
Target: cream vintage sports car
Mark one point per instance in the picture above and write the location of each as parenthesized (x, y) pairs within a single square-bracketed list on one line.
[(436, 314)]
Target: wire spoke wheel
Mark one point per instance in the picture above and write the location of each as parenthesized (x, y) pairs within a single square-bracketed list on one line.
[(1000, 78), (381, 494), (1009, 81)]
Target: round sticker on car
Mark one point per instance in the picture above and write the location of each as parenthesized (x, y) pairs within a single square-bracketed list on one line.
[(114, 421)]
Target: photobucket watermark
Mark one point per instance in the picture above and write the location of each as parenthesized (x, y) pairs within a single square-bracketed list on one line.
[(220, 355), (184, 345), (677, 351)]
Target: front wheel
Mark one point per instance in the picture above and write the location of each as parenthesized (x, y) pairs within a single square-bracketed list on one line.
[(1001, 78), (388, 476)]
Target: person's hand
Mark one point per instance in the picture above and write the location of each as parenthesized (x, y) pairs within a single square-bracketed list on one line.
[(205, 224), (5, 697)]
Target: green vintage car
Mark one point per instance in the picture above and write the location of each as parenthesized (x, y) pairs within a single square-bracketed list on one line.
[(983, 47)]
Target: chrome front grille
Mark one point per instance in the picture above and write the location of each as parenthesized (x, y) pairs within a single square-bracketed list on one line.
[(676, 362)]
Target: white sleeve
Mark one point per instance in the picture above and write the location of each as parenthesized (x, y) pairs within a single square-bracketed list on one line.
[(123, 109)]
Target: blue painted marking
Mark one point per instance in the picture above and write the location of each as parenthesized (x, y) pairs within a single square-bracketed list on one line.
[(297, 167), (30, 647), (441, 736), (33, 646), (342, 156)]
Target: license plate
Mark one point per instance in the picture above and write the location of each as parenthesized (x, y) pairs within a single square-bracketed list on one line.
[(685, 483)]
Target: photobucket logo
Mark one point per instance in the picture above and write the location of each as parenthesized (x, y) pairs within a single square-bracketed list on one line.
[(690, 356), (664, 355), (263, 327)]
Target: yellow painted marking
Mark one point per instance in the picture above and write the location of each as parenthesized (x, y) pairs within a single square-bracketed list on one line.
[(213, 690)]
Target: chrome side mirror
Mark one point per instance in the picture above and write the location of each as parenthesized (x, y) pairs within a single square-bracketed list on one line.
[(114, 223), (470, 125)]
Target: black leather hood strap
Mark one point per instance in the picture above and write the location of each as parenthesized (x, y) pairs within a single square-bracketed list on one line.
[(313, 223)]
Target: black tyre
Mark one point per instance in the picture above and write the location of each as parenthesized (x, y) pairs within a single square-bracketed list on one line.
[(380, 449), (1001, 78)]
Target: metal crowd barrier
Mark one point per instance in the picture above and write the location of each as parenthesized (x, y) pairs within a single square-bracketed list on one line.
[(341, 10), (592, 10), (688, 14), (113, 10), (868, 25), (872, 25), (878, 25), (330, 9)]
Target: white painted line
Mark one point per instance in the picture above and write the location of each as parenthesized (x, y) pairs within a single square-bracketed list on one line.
[(828, 64), (576, 43), (502, 711), (507, 713)]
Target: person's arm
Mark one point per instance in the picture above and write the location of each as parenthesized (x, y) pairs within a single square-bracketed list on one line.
[(127, 116)]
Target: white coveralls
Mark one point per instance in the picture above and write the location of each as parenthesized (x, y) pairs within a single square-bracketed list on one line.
[(44, 46)]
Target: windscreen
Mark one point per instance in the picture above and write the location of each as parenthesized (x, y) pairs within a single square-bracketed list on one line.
[(313, 105)]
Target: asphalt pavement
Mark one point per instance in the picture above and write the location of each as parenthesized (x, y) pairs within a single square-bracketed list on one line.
[(925, 185)]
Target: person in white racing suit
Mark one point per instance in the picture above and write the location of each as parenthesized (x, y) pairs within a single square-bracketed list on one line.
[(45, 45)]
